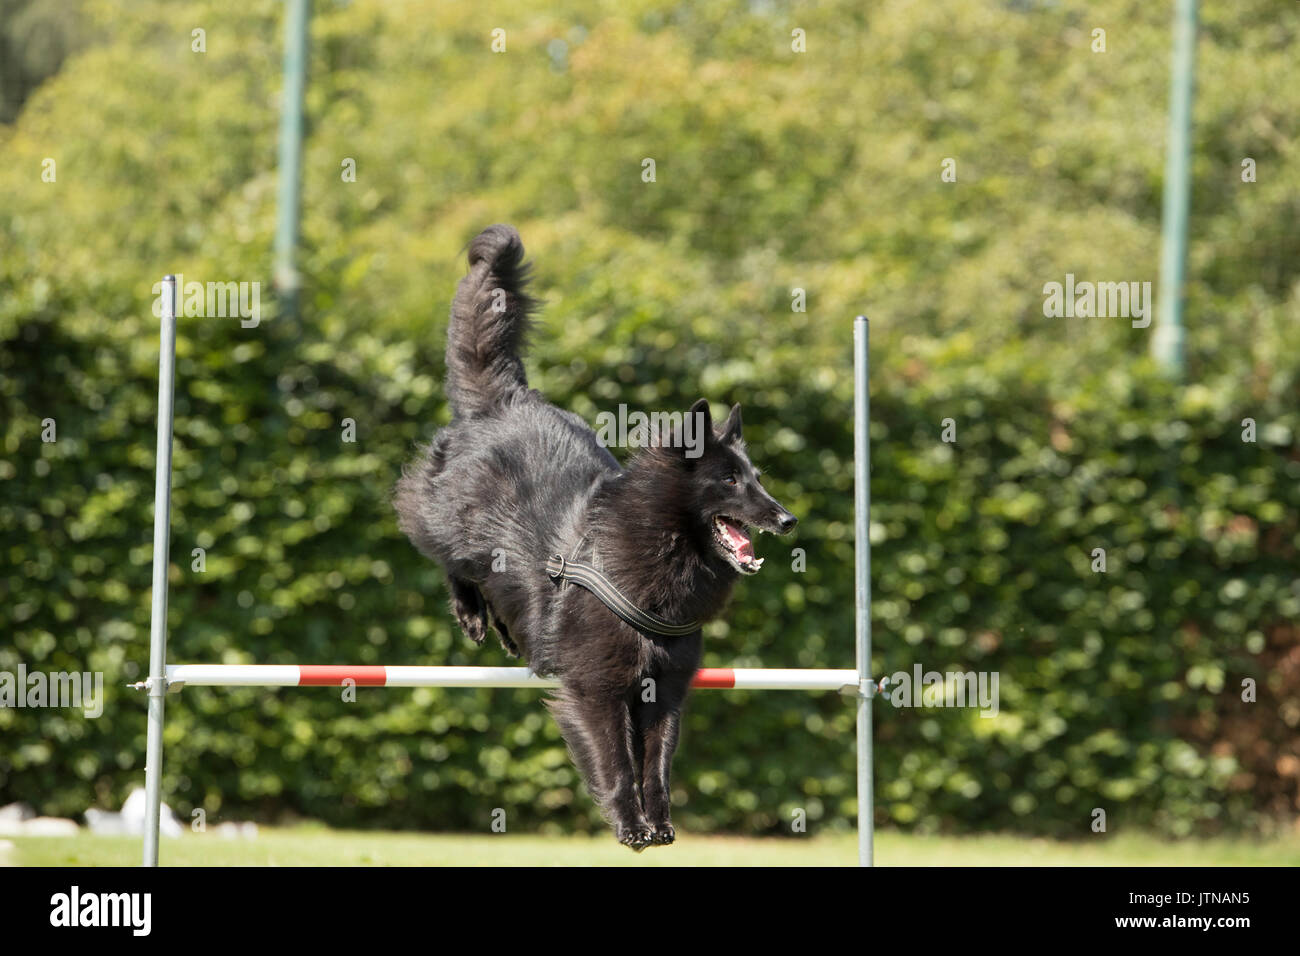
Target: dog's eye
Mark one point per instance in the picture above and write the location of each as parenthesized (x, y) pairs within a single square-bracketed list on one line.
[(729, 480)]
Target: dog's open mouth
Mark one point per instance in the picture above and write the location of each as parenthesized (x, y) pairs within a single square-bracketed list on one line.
[(734, 543)]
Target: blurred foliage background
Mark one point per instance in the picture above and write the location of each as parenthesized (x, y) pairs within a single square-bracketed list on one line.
[(776, 171)]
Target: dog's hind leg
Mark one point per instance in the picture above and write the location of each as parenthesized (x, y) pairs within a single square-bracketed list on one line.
[(500, 626), (598, 731), (468, 606)]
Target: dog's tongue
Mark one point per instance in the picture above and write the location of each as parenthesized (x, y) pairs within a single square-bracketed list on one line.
[(738, 540)]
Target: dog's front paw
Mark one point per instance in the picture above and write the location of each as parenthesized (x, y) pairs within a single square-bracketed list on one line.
[(638, 836), (664, 834)]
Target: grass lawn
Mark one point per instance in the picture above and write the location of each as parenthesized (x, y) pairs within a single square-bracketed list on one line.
[(317, 846)]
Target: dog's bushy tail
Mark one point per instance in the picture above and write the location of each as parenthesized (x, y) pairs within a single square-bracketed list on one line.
[(489, 319)]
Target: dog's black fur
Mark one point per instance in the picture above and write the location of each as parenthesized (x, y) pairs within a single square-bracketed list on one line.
[(514, 479)]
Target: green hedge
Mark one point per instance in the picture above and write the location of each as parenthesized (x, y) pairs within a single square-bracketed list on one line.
[(1118, 690)]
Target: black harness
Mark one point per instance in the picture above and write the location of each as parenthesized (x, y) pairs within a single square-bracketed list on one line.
[(585, 575)]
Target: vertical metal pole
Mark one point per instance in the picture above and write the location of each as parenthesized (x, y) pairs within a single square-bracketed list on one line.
[(862, 552), (295, 81), (162, 512), (1167, 342)]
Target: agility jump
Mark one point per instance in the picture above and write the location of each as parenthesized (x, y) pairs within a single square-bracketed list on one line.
[(164, 678)]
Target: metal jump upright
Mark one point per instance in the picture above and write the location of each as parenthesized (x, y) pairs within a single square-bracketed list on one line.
[(163, 678), (162, 515), (862, 571)]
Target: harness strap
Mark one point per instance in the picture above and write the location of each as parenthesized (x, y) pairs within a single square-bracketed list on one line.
[(588, 577)]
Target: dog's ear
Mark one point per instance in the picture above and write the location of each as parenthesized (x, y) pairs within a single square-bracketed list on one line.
[(696, 431), (730, 434), (701, 418)]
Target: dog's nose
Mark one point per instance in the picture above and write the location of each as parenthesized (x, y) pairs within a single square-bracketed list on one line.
[(786, 522)]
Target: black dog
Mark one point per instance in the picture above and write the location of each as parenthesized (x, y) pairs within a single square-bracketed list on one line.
[(513, 480)]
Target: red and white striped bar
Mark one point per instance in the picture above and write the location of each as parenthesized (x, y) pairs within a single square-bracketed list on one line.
[(380, 675)]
